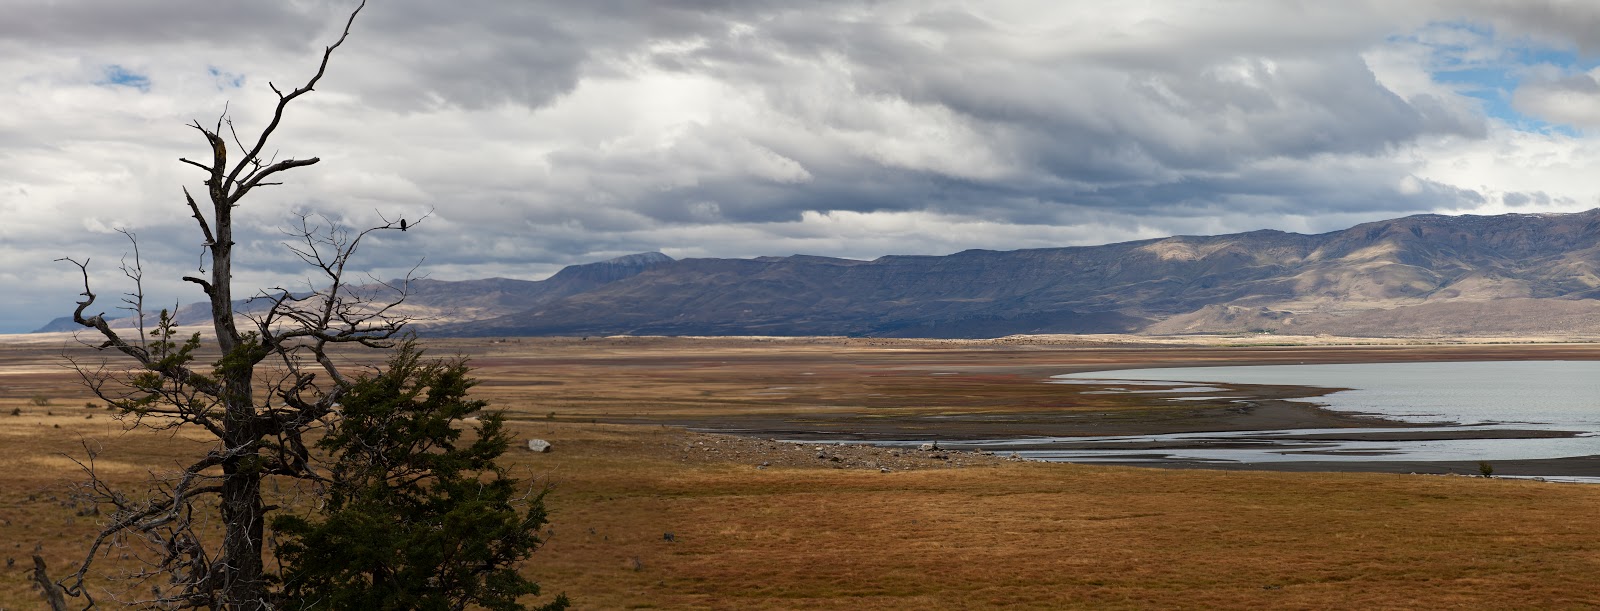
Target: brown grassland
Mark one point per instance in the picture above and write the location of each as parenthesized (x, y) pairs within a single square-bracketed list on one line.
[(806, 534)]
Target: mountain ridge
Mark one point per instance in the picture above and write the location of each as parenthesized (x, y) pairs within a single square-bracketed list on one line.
[(451, 300), (1277, 281), (1421, 275)]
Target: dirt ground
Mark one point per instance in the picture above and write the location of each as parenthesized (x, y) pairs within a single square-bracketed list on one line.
[(759, 523)]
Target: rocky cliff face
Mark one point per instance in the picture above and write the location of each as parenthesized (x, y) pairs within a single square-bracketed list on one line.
[(1398, 277)]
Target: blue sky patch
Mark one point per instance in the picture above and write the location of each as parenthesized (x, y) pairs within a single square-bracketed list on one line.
[(1458, 60), (225, 80), (118, 76)]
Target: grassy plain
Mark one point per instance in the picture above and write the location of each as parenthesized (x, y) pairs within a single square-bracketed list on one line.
[(805, 533)]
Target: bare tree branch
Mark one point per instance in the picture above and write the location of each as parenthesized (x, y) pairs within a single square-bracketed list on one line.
[(47, 587), (283, 102), (259, 411), (205, 228)]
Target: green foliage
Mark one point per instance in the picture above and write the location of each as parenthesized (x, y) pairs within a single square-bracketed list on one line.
[(165, 351), (1485, 469), (152, 386), (415, 518)]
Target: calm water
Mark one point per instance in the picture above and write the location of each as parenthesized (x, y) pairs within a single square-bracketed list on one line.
[(1548, 395), (1551, 393)]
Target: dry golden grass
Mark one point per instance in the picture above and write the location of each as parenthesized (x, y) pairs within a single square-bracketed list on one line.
[(1046, 536), (1009, 536)]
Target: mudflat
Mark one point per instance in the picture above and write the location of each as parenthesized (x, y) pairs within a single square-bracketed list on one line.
[(942, 390)]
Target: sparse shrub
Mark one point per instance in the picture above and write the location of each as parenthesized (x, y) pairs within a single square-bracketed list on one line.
[(90, 405), (1486, 469), (39, 400), (16, 411)]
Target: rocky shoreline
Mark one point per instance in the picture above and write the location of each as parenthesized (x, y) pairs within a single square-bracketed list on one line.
[(773, 453), (759, 454)]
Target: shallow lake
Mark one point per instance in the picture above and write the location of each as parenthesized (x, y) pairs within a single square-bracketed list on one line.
[(1552, 393), (1471, 396)]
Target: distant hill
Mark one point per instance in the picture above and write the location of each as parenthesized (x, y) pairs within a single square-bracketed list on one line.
[(445, 301), (435, 302), (1421, 275), (1426, 275)]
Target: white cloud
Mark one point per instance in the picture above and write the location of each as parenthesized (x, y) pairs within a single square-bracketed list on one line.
[(549, 133), (1510, 161)]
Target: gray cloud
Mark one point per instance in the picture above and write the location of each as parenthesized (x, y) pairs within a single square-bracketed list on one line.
[(549, 133), (85, 24), (1572, 99), (1521, 198), (1564, 23)]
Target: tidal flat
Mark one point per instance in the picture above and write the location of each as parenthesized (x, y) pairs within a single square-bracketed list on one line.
[(763, 522)]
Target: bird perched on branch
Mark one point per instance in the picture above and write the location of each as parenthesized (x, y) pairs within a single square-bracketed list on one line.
[(402, 224)]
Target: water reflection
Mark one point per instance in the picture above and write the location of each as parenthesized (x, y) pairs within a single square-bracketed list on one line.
[(1497, 411)]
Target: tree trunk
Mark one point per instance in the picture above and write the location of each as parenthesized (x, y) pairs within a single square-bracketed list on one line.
[(240, 565), (241, 568)]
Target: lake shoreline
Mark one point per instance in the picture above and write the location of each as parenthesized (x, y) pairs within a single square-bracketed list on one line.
[(1016, 395), (874, 390), (1575, 466), (1287, 416)]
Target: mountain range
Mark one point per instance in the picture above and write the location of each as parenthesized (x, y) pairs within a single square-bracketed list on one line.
[(1425, 275)]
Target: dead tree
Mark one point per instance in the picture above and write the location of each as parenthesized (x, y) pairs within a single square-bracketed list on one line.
[(276, 378), (47, 588)]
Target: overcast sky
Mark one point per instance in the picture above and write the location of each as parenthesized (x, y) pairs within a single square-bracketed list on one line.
[(543, 134)]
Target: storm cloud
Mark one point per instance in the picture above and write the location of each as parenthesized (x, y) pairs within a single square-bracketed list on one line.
[(541, 134)]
